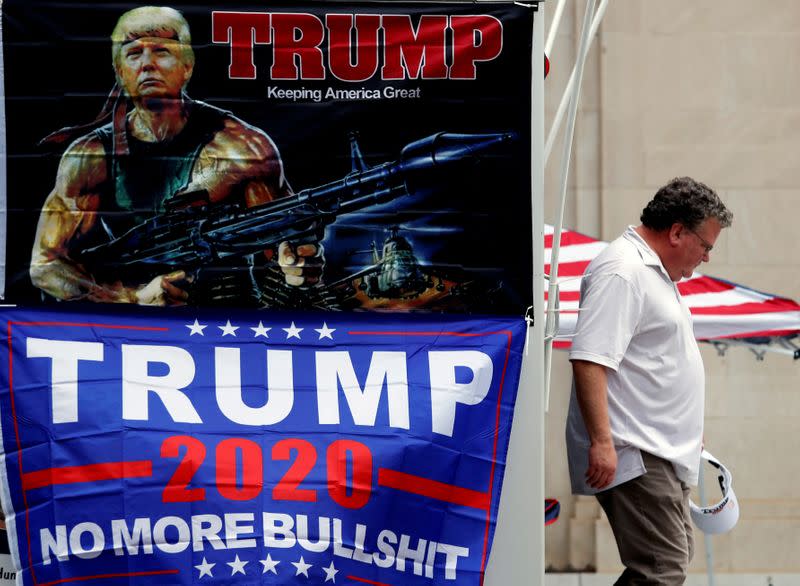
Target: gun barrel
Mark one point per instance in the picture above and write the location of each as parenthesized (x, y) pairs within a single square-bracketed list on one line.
[(195, 237), (426, 163), (446, 149)]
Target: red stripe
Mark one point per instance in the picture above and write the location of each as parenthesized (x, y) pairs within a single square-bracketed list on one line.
[(433, 489), (410, 333), (19, 449), (566, 296), (565, 345), (769, 306), (704, 285), (759, 334), (569, 269), (89, 473), (102, 576), (568, 238), (494, 461), (357, 579)]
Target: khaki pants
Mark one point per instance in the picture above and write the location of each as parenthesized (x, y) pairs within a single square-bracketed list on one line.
[(650, 519)]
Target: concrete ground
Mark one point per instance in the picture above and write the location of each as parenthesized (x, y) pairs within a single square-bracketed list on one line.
[(692, 580)]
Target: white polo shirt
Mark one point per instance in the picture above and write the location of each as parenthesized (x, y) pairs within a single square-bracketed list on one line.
[(634, 322)]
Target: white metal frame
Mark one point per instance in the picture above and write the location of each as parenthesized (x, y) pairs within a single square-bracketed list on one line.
[(591, 22), (518, 548)]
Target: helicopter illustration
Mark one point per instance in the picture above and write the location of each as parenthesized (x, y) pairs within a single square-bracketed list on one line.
[(397, 278), (397, 272)]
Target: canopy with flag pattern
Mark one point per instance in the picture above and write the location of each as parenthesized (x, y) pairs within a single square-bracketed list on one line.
[(721, 309)]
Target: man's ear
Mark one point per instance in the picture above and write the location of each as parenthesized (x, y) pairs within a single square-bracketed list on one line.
[(187, 73), (674, 234)]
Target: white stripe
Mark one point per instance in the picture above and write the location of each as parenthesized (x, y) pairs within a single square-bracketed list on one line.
[(722, 298), (706, 326), (576, 252), (716, 326), (754, 295), (565, 305), (570, 284), (566, 324), (567, 283), (728, 298), (713, 326)]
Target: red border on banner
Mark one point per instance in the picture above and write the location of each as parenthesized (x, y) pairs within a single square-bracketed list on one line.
[(102, 576), (431, 487), (357, 579), (22, 474), (507, 333)]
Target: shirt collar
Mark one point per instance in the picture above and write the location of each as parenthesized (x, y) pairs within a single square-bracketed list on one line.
[(649, 256)]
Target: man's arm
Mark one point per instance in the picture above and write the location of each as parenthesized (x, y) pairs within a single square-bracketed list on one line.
[(242, 155), (68, 214), (592, 393)]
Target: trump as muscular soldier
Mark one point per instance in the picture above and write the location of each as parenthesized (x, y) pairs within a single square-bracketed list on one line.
[(158, 143)]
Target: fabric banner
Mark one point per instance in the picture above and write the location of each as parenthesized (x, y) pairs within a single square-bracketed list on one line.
[(372, 155), (720, 309), (190, 446), (7, 574)]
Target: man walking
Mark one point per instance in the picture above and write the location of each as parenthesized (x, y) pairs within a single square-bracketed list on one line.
[(635, 423)]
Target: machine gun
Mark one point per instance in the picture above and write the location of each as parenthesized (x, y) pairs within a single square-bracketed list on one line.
[(193, 236)]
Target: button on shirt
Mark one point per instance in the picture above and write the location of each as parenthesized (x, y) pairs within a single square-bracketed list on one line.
[(634, 322)]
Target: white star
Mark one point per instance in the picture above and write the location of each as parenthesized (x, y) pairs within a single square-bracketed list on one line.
[(237, 565), (302, 567), (228, 329), (196, 328), (269, 565), (205, 568), (330, 573), (325, 331), (261, 330), (292, 331)]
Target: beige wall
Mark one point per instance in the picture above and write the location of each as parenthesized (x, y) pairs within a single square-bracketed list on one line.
[(709, 89)]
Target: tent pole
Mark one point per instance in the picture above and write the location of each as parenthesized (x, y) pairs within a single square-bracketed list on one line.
[(552, 294), (518, 551), (551, 35), (562, 107)]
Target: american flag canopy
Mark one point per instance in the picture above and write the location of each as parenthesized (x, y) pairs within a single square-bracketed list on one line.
[(721, 309)]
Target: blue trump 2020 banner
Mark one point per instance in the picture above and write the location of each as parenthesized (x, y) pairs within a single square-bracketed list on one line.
[(199, 446)]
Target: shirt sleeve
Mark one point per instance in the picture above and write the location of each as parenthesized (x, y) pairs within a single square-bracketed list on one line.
[(611, 307)]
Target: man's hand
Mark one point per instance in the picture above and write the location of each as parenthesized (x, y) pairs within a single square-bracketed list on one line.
[(165, 290), (302, 264), (591, 390), (602, 464)]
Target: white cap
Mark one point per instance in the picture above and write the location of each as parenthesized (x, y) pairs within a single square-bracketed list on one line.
[(721, 517)]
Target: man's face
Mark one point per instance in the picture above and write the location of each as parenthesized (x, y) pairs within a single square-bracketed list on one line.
[(153, 67), (693, 247)]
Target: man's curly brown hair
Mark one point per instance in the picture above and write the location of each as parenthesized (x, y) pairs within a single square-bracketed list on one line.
[(685, 201)]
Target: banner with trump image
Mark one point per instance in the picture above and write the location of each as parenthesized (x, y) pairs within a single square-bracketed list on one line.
[(181, 446), (313, 155)]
